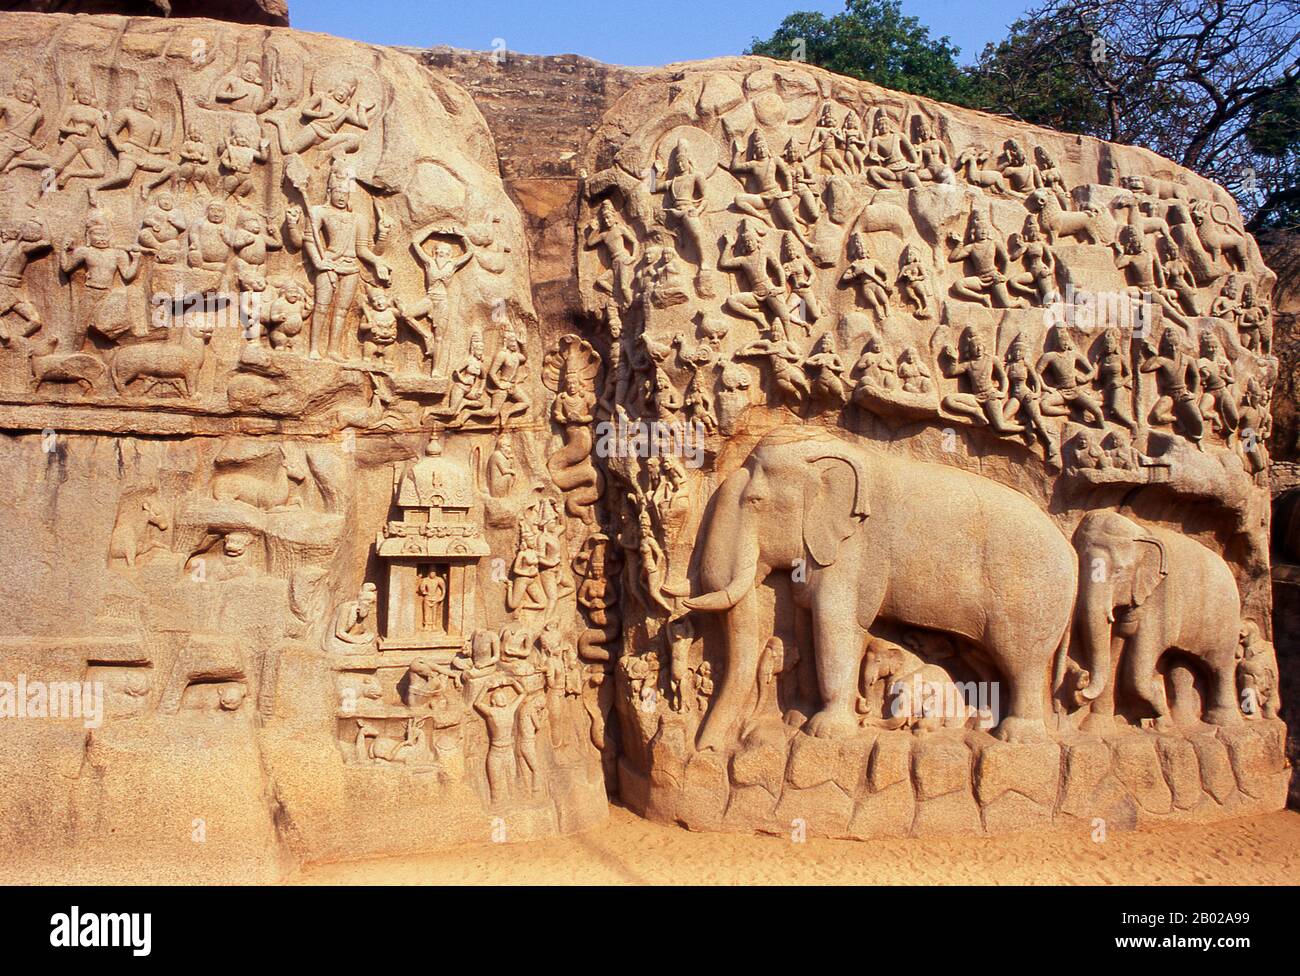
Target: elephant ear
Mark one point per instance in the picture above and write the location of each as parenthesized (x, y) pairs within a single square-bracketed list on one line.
[(1150, 569), (834, 505)]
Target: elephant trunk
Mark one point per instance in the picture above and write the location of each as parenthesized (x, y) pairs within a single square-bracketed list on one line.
[(729, 568), (739, 679), (1095, 620)]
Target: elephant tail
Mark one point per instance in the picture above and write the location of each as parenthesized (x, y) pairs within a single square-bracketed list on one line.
[(1059, 663)]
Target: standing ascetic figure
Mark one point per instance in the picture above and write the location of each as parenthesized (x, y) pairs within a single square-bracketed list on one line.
[(877, 536)]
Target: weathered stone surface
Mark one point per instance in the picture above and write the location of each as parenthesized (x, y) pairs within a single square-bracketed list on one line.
[(1181, 771), (272, 13), (379, 518), (1033, 771), (270, 299), (800, 267), (1137, 766)]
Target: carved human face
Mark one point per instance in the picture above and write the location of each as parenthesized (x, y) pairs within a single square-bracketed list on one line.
[(83, 94), (339, 196), (98, 237), (216, 213), (443, 252), (164, 202), (379, 301), (193, 134), (140, 100), (235, 544), (24, 91)]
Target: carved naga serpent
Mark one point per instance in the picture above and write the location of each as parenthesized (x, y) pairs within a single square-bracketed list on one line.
[(569, 372)]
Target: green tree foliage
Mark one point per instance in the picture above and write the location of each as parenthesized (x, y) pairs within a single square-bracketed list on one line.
[(875, 41), (1210, 84)]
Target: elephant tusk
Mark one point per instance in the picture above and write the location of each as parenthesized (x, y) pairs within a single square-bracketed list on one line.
[(725, 599)]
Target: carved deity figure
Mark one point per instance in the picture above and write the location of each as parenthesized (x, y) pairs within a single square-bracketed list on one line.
[(1179, 384), (1067, 371), (891, 158), (82, 132), (18, 247), (684, 201), (609, 233), (21, 117), (136, 136), (1024, 393), (104, 265), (1218, 398), (867, 275), (439, 269), (822, 144), (986, 382), (764, 300), (914, 283), (1038, 281), (802, 279), (236, 156), (327, 116), (336, 245), (504, 394), (771, 185), (988, 260), (431, 591), (1113, 374)]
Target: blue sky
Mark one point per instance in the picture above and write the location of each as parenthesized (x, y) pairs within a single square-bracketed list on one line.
[(619, 31)]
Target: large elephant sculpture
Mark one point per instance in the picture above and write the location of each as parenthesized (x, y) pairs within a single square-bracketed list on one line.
[(871, 535), (1143, 591)]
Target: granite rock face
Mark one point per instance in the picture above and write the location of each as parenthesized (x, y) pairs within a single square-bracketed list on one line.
[(407, 448), (269, 358), (269, 13), (928, 428)]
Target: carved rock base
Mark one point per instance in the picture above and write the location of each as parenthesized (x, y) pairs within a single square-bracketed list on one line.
[(899, 784)]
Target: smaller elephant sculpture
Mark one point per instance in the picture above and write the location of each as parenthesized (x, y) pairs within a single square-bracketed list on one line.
[(1144, 591)]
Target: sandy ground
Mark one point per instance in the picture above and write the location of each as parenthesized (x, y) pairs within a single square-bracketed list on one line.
[(628, 850)]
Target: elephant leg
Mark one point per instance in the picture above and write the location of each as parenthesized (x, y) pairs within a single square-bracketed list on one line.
[(838, 640), (1223, 707), (1024, 662), (1144, 652)]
